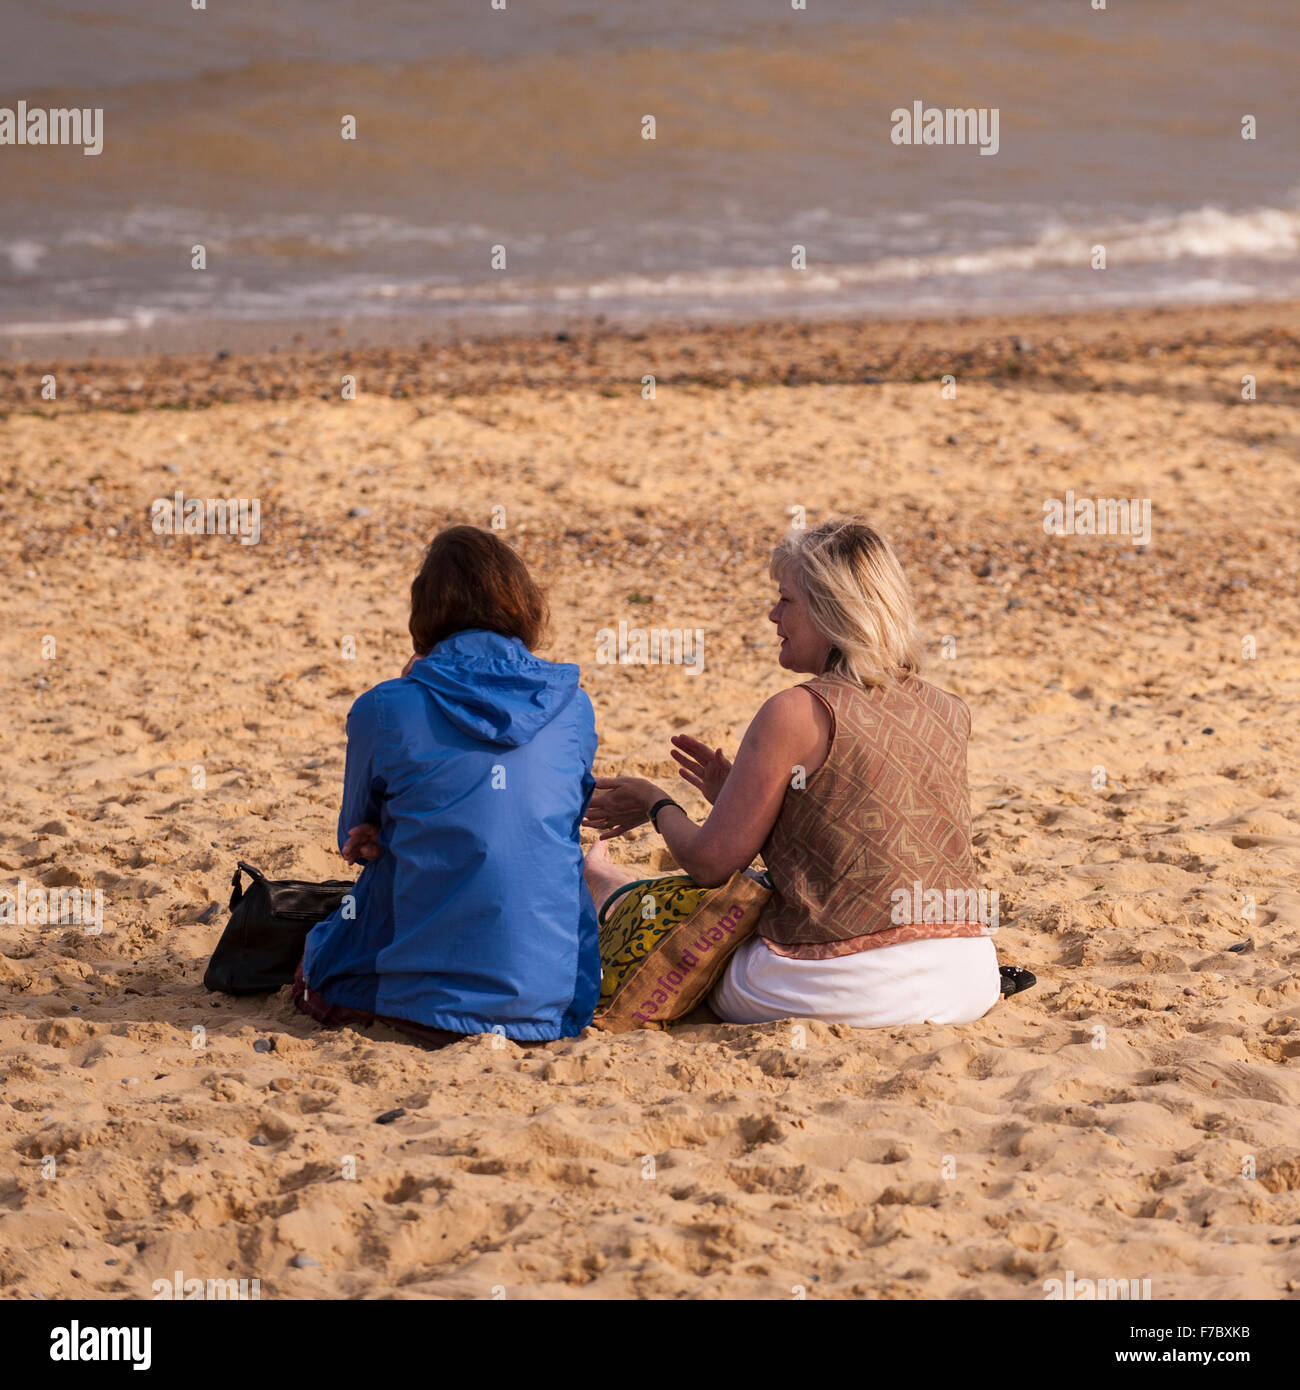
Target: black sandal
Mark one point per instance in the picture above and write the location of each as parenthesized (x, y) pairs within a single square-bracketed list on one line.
[(1016, 979)]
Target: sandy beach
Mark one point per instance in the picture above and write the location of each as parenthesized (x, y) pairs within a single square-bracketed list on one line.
[(177, 703)]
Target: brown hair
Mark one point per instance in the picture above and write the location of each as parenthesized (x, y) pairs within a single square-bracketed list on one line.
[(472, 579)]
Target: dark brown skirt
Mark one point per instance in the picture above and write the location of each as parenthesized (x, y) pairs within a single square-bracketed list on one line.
[(336, 1016)]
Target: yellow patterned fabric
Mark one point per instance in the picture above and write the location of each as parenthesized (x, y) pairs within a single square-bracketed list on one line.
[(639, 919)]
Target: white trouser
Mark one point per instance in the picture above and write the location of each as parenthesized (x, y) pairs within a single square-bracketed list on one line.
[(950, 980)]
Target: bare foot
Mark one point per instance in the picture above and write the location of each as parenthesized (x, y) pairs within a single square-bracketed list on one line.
[(602, 874)]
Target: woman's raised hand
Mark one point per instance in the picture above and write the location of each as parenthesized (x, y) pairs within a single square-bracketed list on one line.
[(703, 767)]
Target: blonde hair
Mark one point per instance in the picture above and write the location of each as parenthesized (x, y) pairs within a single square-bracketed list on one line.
[(858, 598)]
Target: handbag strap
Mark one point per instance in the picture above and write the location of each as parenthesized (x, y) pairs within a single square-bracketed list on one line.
[(237, 884)]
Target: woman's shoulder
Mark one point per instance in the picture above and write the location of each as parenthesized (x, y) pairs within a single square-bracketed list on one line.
[(372, 705), (935, 694), (795, 704), (581, 710), (944, 703), (901, 694), (795, 717)]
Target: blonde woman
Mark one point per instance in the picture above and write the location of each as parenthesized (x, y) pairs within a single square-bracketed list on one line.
[(853, 786)]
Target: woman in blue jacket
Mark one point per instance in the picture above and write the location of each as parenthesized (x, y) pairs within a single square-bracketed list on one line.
[(466, 783)]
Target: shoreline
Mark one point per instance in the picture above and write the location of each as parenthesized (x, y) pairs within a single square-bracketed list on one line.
[(116, 339), (1054, 349)]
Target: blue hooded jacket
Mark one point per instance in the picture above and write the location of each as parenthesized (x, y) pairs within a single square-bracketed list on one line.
[(475, 917)]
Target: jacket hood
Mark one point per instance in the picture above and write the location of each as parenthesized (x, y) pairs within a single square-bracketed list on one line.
[(493, 688)]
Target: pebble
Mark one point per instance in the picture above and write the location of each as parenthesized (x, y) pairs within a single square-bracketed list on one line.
[(264, 1045), (304, 1262), (358, 511), (260, 1140), (389, 1116)]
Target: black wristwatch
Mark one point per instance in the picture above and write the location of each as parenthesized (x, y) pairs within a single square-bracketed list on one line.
[(659, 806)]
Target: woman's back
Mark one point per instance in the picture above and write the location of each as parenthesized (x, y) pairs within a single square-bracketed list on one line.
[(475, 916), (888, 810)]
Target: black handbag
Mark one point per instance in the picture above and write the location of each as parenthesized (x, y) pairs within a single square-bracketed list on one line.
[(262, 944)]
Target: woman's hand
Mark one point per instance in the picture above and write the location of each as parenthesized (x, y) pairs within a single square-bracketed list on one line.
[(362, 844), (620, 804), (703, 767)]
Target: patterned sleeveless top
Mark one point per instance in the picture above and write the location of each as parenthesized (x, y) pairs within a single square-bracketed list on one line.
[(886, 815)]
